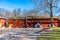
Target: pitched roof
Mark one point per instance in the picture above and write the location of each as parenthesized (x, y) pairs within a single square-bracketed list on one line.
[(16, 18), (40, 17), (33, 17), (2, 17)]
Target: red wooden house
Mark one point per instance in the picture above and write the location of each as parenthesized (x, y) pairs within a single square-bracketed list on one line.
[(2, 21), (16, 22), (43, 20), (30, 21)]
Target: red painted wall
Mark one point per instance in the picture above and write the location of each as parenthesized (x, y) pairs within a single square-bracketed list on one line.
[(2, 22), (20, 23)]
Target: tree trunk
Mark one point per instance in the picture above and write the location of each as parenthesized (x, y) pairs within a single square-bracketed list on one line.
[(51, 14), (51, 20), (25, 22)]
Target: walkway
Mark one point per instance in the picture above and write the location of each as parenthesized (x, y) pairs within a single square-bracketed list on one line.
[(20, 34)]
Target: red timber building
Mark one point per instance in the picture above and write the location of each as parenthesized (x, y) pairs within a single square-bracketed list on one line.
[(2, 21), (30, 21)]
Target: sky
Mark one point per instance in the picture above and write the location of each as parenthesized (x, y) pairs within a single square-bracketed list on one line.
[(22, 4), (13, 4)]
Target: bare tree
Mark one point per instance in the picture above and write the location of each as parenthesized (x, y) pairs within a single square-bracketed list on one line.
[(14, 13), (34, 12), (2, 11), (18, 12), (25, 12), (31, 12), (7, 14), (47, 6)]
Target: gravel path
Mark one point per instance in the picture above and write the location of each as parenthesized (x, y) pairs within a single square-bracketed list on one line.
[(20, 33)]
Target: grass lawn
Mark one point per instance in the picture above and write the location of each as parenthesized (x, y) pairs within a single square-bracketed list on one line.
[(52, 35)]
